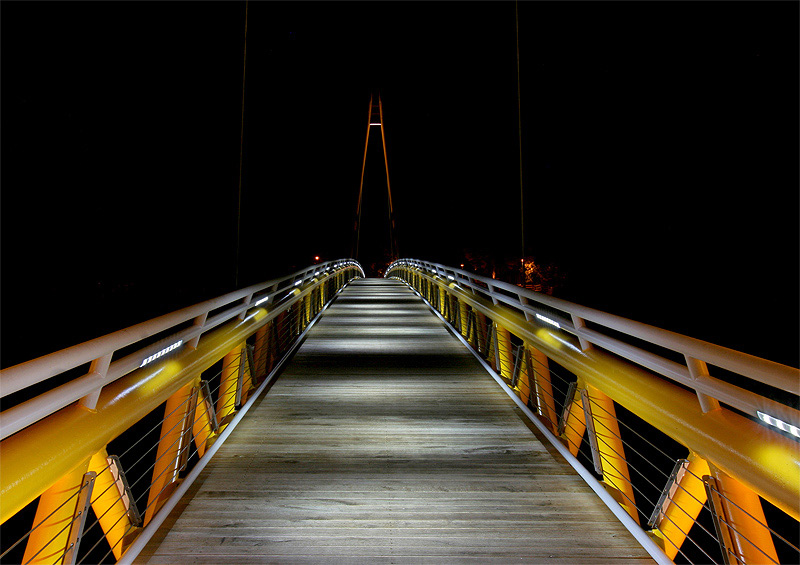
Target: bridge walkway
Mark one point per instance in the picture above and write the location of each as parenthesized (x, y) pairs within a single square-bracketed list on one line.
[(384, 440)]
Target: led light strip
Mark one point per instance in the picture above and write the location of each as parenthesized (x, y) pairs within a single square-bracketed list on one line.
[(548, 320), (780, 424), (164, 351)]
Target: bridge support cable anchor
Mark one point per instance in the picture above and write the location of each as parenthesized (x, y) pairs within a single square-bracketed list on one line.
[(718, 516), (79, 519), (668, 492), (565, 410), (587, 414), (245, 377)]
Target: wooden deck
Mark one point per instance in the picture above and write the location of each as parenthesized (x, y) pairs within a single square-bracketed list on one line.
[(384, 440)]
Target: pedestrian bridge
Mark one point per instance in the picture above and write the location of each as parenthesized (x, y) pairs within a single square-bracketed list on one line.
[(430, 416)]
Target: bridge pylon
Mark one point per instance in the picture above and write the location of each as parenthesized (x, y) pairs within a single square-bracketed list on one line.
[(376, 120)]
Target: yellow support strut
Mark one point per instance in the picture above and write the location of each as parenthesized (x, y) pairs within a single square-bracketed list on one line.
[(108, 506), (612, 452), (752, 542), (166, 468), (48, 541), (685, 506)]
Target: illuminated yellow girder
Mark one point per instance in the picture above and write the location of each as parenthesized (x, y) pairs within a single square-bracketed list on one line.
[(612, 452), (108, 505), (226, 397), (54, 515), (167, 465), (761, 459), (744, 516), (686, 504)]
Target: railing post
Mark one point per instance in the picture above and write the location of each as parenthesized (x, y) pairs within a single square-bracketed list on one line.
[(697, 370), (579, 323), (57, 507), (98, 367), (198, 322)]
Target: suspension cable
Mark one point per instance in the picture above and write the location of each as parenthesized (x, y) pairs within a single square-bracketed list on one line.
[(241, 155), (519, 120)]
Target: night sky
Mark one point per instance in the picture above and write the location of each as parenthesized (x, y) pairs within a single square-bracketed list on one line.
[(660, 154)]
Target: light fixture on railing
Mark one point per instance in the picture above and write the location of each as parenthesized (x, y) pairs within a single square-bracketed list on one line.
[(548, 320), (780, 424), (164, 351), (262, 300)]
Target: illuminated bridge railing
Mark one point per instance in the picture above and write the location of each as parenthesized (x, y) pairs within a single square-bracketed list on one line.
[(89, 469), (687, 437)]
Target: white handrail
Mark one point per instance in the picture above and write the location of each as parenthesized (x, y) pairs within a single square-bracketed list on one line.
[(31, 372), (762, 370)]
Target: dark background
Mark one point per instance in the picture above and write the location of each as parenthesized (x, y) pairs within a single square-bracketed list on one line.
[(660, 154)]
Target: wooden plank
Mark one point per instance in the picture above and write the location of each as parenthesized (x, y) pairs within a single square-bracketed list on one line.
[(384, 440)]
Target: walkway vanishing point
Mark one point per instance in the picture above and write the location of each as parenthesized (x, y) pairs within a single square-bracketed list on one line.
[(384, 440)]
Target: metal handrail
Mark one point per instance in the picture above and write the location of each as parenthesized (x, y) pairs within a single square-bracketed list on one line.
[(762, 370), (26, 374), (516, 334)]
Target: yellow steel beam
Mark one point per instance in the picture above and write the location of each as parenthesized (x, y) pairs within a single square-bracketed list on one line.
[(54, 517), (108, 505), (167, 465), (685, 506), (35, 458), (765, 461)]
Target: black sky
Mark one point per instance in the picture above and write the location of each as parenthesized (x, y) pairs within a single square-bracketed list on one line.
[(660, 149)]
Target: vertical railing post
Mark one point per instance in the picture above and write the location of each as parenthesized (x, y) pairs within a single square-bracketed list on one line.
[(98, 367), (697, 370)]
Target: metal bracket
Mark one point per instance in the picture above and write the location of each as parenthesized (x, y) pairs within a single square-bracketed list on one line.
[(79, 518), (519, 351), (718, 514), (568, 399), (186, 434), (212, 414), (245, 356), (668, 492), (587, 413), (125, 494), (488, 343)]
